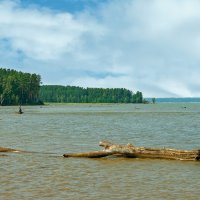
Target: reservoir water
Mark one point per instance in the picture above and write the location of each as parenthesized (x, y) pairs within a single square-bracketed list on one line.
[(56, 129)]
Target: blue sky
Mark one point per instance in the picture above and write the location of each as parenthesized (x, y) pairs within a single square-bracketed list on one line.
[(150, 46), (72, 6)]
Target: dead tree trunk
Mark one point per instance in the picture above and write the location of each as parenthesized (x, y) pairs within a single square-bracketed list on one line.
[(139, 152)]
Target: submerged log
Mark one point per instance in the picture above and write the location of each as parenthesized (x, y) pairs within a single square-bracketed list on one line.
[(139, 152), (10, 150)]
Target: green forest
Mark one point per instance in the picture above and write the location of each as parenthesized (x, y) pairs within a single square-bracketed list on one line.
[(72, 94), (18, 88)]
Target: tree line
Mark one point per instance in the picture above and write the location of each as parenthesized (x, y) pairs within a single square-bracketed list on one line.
[(73, 94), (18, 88)]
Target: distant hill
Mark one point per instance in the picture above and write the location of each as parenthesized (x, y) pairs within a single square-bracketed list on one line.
[(176, 100)]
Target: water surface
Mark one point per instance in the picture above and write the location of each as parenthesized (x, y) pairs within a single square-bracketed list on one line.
[(65, 128)]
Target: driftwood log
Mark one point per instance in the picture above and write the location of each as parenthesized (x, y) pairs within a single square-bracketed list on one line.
[(3, 149), (131, 151)]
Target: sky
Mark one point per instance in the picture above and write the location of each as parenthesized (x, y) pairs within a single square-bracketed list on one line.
[(152, 46)]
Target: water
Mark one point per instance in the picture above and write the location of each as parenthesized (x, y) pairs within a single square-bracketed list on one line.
[(66, 128)]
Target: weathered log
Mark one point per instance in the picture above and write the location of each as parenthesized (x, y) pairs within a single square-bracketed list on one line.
[(144, 152), (139, 152), (3, 149), (92, 154)]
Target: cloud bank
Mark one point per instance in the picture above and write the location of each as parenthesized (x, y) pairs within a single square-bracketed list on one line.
[(151, 46)]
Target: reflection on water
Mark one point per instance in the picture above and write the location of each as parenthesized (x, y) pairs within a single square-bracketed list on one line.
[(79, 127)]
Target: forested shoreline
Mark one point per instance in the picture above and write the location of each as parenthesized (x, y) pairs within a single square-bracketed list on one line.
[(19, 88), (73, 94)]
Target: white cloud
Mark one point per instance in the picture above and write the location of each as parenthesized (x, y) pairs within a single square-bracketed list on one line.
[(151, 46), (40, 34)]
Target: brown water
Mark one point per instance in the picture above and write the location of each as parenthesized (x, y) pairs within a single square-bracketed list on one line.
[(60, 129)]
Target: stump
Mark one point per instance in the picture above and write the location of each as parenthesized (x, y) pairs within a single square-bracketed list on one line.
[(132, 151)]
